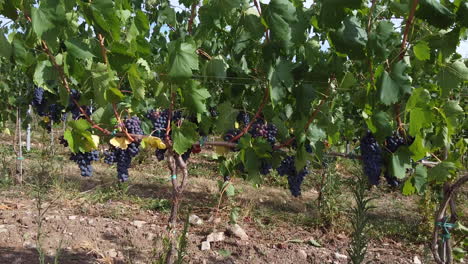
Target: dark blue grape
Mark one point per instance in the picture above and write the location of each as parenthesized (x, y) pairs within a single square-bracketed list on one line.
[(186, 155), (213, 112), (243, 118), (39, 102), (84, 159), (133, 125), (295, 178), (372, 158), (265, 167), (230, 134), (55, 112), (160, 154), (63, 141)]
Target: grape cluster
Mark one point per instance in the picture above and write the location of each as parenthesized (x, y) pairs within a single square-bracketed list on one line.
[(123, 157), (230, 134), (160, 154), (243, 118), (159, 120), (213, 112), (267, 131), (39, 102), (394, 142), (295, 178), (133, 125), (372, 158), (265, 167), (73, 108), (84, 159), (63, 141), (55, 112)]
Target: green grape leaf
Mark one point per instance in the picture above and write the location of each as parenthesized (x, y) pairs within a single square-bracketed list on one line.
[(42, 20), (408, 187), (422, 50), (383, 124), (252, 165), (383, 39), (182, 59), (103, 79), (278, 15), (389, 92), (419, 118), (400, 161), (226, 118), (184, 136), (5, 47), (419, 98), (136, 82), (434, 13), (418, 148), (333, 12), (167, 16), (395, 84), (451, 75), (442, 172), (78, 49), (195, 96), (80, 125), (420, 178), (281, 80), (216, 67), (350, 39)]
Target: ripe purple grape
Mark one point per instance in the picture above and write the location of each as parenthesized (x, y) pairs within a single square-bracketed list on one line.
[(84, 159), (295, 178), (372, 158), (230, 134), (243, 118)]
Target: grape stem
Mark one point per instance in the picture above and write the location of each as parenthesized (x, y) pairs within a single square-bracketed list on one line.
[(121, 124), (192, 17), (103, 49), (403, 49), (257, 114), (67, 87)]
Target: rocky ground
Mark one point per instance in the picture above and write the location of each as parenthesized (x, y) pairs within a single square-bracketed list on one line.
[(78, 220)]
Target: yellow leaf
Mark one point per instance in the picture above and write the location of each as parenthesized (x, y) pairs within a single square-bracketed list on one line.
[(120, 142), (221, 150), (95, 140), (46, 119), (236, 125), (154, 142)]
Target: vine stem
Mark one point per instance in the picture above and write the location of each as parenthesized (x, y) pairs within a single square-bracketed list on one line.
[(67, 87), (257, 114), (369, 26), (192, 17), (449, 192), (409, 23), (103, 49), (121, 125)]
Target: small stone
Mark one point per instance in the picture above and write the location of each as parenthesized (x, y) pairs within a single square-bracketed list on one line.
[(3, 230), (72, 217), (138, 224), (112, 253), (416, 260), (215, 237), (237, 231), (340, 256), (195, 220), (29, 244), (302, 254), (205, 245), (90, 221), (150, 236)]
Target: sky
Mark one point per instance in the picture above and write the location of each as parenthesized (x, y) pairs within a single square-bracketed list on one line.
[(462, 48)]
